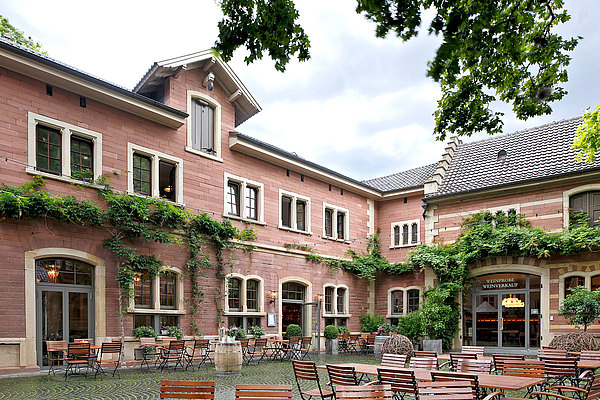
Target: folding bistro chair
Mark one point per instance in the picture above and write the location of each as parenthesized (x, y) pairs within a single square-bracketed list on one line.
[(402, 381), (455, 357), (110, 356), (149, 351), (292, 350), (78, 356), (197, 352), (423, 362), (373, 392), (479, 350), (591, 390), (499, 360), (561, 370), (173, 354), (307, 370), (526, 368), (368, 344), (343, 342), (257, 351), (305, 347), (57, 353), (263, 392), (466, 365), (445, 376), (393, 360), (341, 375), (450, 390), (187, 389), (419, 353)]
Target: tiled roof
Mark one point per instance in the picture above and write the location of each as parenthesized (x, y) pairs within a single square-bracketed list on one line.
[(402, 180), (534, 154)]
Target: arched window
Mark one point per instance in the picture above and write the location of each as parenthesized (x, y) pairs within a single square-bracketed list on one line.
[(244, 301), (573, 281), (292, 291), (401, 301), (235, 285), (168, 290), (158, 300), (397, 302), (143, 290), (336, 306), (252, 295), (63, 271), (587, 203)]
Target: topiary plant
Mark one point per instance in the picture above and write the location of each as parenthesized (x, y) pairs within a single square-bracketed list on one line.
[(331, 332), (293, 330), (144, 331)]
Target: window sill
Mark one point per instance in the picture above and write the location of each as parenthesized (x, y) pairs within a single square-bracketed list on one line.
[(203, 154), (245, 314), (285, 228), (336, 240), (48, 175), (143, 196), (336, 315), (394, 316), (248, 220), (154, 311), (401, 246)]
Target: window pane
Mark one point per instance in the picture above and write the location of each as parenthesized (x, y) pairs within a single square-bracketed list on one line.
[(292, 291), (414, 233), (233, 198), (341, 293), (143, 320), (300, 215), (251, 210), (167, 320), (168, 287), (142, 181), (143, 290), (595, 282), (234, 293), (166, 180), (235, 321), (48, 149), (202, 126), (328, 222), (81, 158), (252, 295), (397, 302), (412, 300), (404, 234), (341, 225), (286, 207), (329, 299), (572, 282), (62, 271), (396, 235)]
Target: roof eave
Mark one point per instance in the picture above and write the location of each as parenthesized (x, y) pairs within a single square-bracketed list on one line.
[(62, 76)]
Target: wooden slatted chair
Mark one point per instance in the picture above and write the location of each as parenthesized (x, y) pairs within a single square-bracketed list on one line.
[(420, 353), (341, 375), (393, 360), (371, 392), (445, 376), (589, 355), (560, 370), (173, 354), (479, 350), (368, 344), (187, 389), (78, 356), (526, 368), (545, 352), (263, 392), (292, 349), (305, 347), (402, 381), (149, 351), (354, 343), (257, 351), (244, 344), (343, 342), (57, 353), (307, 370), (466, 365), (423, 362), (450, 390), (455, 357), (197, 352), (110, 357), (499, 360), (590, 391)]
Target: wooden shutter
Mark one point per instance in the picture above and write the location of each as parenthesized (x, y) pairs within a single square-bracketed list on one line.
[(202, 126)]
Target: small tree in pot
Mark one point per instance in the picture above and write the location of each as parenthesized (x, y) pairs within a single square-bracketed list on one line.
[(293, 330), (331, 333)]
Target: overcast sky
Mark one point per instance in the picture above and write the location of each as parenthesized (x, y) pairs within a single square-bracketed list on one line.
[(361, 105)]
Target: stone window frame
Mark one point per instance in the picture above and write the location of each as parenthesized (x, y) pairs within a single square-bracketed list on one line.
[(334, 230), (243, 296), (191, 95), (592, 187), (243, 184), (293, 220), (334, 313), (587, 278), (155, 157), (400, 224), (155, 308), (404, 290), (66, 131)]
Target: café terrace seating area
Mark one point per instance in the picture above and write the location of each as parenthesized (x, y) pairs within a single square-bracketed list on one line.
[(276, 368)]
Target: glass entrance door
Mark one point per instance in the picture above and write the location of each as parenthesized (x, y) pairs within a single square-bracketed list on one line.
[(513, 320), (486, 320)]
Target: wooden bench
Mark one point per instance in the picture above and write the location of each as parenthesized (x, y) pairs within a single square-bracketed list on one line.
[(271, 392), (187, 389)]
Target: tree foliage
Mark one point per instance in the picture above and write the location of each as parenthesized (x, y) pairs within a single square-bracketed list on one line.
[(587, 137), (17, 36), (491, 50), (581, 307)]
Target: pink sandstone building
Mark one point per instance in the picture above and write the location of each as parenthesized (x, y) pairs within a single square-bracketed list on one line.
[(174, 136)]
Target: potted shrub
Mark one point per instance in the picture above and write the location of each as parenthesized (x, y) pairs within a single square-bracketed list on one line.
[(411, 326), (293, 330), (172, 331), (256, 331), (140, 332), (240, 334), (331, 334)]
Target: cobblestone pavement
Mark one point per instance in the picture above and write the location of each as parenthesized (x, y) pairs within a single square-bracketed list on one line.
[(145, 384)]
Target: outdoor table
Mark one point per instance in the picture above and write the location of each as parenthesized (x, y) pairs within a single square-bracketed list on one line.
[(501, 382)]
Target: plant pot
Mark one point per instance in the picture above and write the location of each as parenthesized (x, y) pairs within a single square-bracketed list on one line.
[(432, 345), (379, 339), (138, 354), (332, 346)]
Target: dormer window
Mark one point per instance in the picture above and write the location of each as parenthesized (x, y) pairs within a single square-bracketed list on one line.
[(204, 126)]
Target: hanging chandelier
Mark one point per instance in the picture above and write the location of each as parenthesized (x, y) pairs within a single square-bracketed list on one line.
[(512, 302)]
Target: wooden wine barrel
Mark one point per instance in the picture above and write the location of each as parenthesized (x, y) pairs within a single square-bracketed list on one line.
[(228, 358)]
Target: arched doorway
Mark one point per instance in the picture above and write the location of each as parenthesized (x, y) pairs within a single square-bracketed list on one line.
[(293, 295), (503, 310), (64, 291)]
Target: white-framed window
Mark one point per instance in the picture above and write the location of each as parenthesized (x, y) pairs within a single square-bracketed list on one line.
[(155, 174), (204, 125), (244, 295), (336, 223), (336, 300), (589, 279), (158, 301), (403, 300), (243, 199), (294, 212), (62, 151), (406, 233)]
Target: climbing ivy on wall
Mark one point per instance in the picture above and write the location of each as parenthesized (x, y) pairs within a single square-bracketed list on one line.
[(129, 220)]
